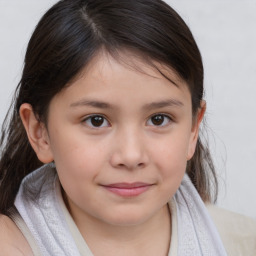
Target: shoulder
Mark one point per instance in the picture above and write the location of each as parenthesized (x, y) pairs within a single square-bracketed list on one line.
[(12, 241), (237, 232)]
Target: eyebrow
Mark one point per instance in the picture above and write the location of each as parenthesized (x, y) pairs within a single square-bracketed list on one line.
[(164, 103), (91, 103), (105, 105)]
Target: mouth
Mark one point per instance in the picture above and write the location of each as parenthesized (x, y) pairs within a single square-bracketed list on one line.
[(128, 189)]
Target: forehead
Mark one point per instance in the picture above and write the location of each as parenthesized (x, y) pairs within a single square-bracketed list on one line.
[(126, 72), (140, 62), (105, 65)]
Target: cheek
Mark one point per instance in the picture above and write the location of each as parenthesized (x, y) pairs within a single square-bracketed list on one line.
[(170, 158), (77, 160), (172, 150), (79, 163), (75, 149)]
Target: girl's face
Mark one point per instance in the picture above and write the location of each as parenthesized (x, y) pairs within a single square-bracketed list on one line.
[(120, 139)]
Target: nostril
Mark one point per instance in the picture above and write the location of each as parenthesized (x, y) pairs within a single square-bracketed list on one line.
[(129, 158), (126, 166)]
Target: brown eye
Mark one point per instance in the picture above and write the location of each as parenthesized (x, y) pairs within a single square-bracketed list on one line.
[(96, 121), (159, 120)]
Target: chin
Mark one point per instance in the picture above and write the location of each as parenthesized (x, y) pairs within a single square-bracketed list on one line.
[(128, 218)]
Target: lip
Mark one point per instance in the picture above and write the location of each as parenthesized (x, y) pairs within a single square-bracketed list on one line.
[(128, 189)]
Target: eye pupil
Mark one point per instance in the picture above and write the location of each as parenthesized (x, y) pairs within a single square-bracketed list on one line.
[(97, 121), (157, 120)]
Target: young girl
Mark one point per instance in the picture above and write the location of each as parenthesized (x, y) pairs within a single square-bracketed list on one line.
[(101, 153)]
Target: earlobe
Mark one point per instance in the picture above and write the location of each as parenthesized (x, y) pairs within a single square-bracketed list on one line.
[(195, 130), (37, 133)]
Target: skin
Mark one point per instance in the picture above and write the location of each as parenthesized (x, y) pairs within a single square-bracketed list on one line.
[(145, 133), (13, 243)]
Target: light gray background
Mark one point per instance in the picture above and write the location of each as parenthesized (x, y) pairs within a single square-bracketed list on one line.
[(226, 34)]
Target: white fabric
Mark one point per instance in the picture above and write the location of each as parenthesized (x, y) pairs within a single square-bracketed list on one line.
[(45, 218), (197, 235)]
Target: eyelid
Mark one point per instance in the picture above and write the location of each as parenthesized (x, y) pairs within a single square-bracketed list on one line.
[(161, 114), (88, 117)]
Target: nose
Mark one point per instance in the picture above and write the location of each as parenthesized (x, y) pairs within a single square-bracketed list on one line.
[(129, 151)]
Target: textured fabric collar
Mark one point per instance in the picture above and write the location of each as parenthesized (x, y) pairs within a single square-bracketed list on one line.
[(197, 234), (47, 221)]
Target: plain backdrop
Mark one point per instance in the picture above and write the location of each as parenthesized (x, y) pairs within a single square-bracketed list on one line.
[(226, 35)]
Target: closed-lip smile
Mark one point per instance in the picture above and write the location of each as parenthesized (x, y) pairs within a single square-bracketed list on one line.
[(124, 189)]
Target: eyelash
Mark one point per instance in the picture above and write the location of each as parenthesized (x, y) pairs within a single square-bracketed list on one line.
[(166, 120), (103, 122), (89, 119)]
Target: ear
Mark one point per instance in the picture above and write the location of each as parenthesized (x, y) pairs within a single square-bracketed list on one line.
[(195, 130), (37, 133)]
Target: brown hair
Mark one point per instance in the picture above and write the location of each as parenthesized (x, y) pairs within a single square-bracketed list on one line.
[(65, 40)]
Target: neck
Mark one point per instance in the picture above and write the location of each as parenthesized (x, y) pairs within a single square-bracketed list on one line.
[(151, 237)]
